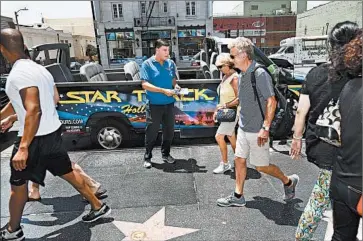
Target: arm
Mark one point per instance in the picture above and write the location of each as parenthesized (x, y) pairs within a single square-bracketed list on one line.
[(31, 103), (264, 84), (8, 122), (150, 87), (7, 111), (302, 111), (56, 95), (270, 111), (234, 102)]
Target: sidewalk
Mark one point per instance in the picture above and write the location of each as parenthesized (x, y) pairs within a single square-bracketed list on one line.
[(175, 202)]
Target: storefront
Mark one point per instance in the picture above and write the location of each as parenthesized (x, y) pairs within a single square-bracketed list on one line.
[(148, 39), (190, 41), (120, 44)]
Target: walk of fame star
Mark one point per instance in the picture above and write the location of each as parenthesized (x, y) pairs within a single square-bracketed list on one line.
[(153, 229)]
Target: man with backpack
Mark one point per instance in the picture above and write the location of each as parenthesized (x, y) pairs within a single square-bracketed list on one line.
[(256, 118)]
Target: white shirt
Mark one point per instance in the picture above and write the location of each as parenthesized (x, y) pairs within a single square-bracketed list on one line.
[(26, 73)]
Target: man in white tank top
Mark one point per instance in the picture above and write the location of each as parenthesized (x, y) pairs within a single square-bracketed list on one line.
[(39, 146)]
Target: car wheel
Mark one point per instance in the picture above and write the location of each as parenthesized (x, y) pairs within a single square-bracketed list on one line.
[(109, 134)]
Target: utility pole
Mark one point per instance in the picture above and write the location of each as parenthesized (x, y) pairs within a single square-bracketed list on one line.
[(96, 33), (16, 15)]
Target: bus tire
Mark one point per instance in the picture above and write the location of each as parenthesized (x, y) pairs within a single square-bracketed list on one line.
[(109, 134)]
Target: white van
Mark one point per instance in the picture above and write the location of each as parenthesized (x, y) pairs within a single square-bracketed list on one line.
[(301, 50)]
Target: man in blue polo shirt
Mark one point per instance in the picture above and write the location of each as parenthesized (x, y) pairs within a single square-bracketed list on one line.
[(158, 75)]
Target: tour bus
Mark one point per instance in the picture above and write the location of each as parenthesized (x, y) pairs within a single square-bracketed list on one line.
[(301, 50), (111, 111)]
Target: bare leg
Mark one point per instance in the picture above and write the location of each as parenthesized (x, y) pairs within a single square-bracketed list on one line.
[(77, 181), (18, 198), (34, 191), (232, 140), (94, 185), (274, 171), (223, 147), (241, 172)]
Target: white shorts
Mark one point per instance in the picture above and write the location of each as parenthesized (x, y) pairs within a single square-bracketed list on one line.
[(227, 128), (247, 148)]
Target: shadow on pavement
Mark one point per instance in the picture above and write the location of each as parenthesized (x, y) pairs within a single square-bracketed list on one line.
[(78, 231), (181, 166), (281, 213), (251, 174), (66, 209)]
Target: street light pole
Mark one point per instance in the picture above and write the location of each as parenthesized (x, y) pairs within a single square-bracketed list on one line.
[(16, 15)]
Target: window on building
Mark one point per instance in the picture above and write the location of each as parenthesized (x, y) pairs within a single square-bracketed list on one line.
[(254, 7), (190, 8), (165, 7), (117, 10), (143, 8), (283, 5), (262, 40), (254, 40)]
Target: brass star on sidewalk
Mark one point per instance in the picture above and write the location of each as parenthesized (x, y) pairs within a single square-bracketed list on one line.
[(153, 229)]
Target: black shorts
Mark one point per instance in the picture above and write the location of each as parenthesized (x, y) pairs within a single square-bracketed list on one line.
[(45, 153)]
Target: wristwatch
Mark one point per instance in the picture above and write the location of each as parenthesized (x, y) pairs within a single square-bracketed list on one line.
[(266, 128)]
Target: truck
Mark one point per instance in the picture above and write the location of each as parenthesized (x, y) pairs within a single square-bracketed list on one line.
[(301, 51), (111, 112)]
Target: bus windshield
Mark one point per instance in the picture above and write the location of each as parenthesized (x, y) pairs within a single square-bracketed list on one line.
[(282, 49)]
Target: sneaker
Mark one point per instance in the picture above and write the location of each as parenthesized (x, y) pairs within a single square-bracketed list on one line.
[(18, 235), (290, 190), (94, 215), (231, 201), (222, 168), (169, 159), (147, 164)]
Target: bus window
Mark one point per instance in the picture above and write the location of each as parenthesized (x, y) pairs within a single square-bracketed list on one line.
[(314, 44), (290, 50)]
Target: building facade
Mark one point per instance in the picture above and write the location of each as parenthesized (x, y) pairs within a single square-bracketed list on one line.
[(128, 29), (76, 26), (319, 20), (255, 8), (36, 35), (80, 43), (265, 32)]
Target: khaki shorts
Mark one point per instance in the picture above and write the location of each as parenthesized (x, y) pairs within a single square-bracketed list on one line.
[(247, 148)]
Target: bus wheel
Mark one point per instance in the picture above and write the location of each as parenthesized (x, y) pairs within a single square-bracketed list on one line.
[(109, 134)]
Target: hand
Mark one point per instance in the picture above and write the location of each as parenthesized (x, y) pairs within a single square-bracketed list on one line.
[(177, 87), (262, 137), (6, 124), (219, 106), (20, 159), (168, 92), (295, 151)]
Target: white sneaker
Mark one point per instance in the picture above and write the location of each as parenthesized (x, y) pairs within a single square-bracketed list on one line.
[(17, 235), (222, 168)]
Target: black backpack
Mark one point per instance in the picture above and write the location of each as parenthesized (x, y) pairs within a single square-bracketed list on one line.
[(281, 126)]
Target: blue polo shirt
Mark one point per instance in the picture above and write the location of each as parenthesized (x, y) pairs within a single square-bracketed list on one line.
[(160, 76)]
